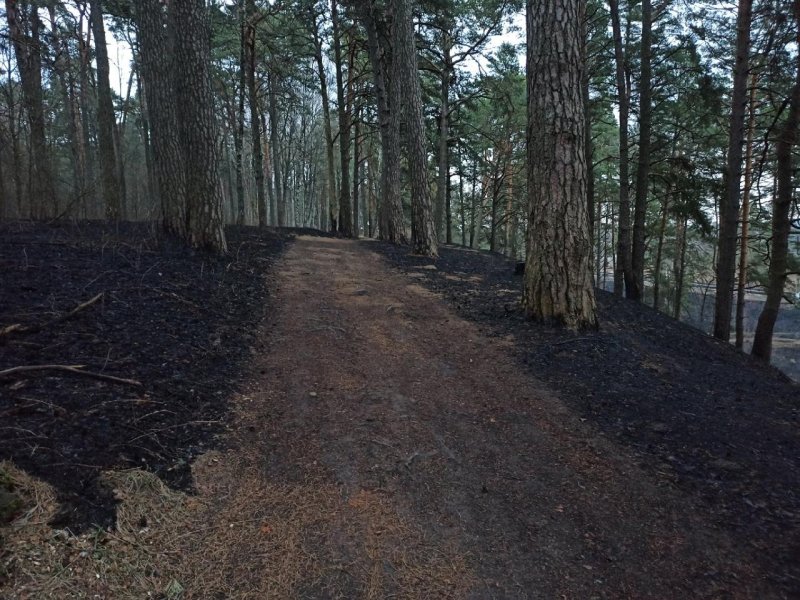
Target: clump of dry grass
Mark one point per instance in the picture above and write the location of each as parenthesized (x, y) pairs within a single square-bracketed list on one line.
[(242, 538), (130, 562)]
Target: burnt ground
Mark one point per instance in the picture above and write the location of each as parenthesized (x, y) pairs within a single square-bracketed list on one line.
[(357, 423), (180, 322), (710, 421)]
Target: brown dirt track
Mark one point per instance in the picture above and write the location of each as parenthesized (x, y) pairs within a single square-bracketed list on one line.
[(436, 467)]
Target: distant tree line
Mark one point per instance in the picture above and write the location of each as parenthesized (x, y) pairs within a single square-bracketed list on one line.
[(410, 122)]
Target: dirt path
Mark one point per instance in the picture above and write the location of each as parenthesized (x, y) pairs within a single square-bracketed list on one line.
[(385, 448)]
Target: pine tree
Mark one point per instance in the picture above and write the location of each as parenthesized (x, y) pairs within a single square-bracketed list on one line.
[(558, 279)]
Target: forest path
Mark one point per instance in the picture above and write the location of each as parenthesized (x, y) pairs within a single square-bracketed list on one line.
[(384, 447)]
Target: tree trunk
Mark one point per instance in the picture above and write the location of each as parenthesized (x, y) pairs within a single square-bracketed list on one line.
[(151, 183), (660, 248), (443, 175), (106, 120), (496, 185), (588, 146), (326, 115), (63, 69), (278, 212), (589, 150), (157, 57), (90, 200), (286, 207), (391, 221), (190, 23), (238, 134), (423, 233), (623, 276), (643, 167), (16, 155), (558, 275), (461, 205), (448, 208), (748, 182), (473, 214), (255, 113), (345, 206), (781, 221), (372, 183), (119, 141), (729, 205), (24, 27), (356, 166), (679, 264), (4, 213), (510, 225)]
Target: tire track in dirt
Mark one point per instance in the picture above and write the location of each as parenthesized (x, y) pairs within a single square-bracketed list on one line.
[(386, 448)]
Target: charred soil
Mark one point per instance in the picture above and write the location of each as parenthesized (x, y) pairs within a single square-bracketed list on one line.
[(179, 322)]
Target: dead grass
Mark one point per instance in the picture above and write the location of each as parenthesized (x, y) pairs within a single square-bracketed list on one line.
[(255, 541), (131, 562)]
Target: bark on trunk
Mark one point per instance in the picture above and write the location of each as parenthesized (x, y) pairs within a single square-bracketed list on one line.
[(4, 213), (679, 265), (473, 214), (423, 233), (729, 206), (157, 56), (18, 168), (151, 186), (345, 206), (356, 168), (643, 165), (63, 69), (24, 27), (190, 24), (278, 212), (660, 249), (443, 175), (623, 279), (748, 182), (461, 204), (326, 115), (106, 120), (391, 221), (238, 136), (84, 43), (558, 277), (255, 113)]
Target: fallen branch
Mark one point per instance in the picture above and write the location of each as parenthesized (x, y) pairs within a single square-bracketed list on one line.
[(72, 369), (19, 328), (12, 328)]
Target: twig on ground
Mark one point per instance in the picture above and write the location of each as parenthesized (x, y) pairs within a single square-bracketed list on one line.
[(19, 328), (72, 369), (180, 299)]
